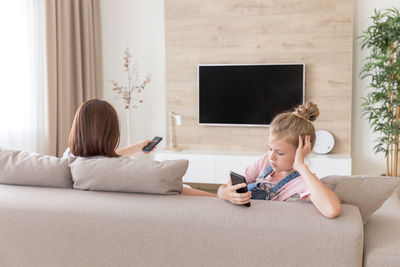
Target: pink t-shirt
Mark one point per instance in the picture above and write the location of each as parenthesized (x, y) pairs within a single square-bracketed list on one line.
[(295, 186)]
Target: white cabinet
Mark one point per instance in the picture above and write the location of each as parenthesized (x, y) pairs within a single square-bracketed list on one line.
[(214, 167), (235, 163), (329, 164), (201, 167)]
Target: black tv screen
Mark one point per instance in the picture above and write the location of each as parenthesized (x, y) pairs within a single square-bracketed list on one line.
[(248, 95)]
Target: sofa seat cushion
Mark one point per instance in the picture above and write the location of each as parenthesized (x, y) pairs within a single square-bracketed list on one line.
[(382, 235)]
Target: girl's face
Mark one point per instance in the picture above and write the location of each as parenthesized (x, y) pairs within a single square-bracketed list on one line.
[(281, 154)]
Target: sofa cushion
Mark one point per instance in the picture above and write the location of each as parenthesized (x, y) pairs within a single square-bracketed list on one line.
[(25, 168), (124, 174), (367, 193)]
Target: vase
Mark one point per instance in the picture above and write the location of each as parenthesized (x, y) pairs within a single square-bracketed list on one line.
[(128, 128)]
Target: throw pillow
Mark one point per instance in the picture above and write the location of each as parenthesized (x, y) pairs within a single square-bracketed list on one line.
[(367, 193), (25, 168), (124, 174)]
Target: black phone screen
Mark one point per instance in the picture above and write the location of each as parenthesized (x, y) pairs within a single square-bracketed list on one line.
[(239, 179)]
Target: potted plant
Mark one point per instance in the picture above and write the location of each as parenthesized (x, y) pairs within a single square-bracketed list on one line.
[(382, 66)]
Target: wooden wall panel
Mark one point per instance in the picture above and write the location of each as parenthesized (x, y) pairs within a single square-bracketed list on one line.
[(316, 32)]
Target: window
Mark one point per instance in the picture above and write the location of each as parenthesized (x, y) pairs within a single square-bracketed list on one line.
[(22, 75)]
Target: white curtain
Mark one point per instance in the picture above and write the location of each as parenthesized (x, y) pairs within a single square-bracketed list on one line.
[(22, 75)]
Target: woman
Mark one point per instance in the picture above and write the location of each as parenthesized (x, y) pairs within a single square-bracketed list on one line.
[(95, 132)]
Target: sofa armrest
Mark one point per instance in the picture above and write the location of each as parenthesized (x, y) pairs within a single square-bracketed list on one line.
[(68, 227), (382, 235)]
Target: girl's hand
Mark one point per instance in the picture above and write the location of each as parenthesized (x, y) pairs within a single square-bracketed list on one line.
[(301, 152), (228, 192)]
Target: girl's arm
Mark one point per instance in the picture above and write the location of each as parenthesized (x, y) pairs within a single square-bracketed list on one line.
[(326, 201), (228, 192), (133, 149)]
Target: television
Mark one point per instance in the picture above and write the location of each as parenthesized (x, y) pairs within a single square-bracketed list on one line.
[(248, 94)]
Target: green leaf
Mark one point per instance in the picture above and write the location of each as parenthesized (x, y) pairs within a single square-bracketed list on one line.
[(382, 68)]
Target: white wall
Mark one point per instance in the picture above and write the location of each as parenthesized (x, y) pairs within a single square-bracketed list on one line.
[(140, 25), (364, 159)]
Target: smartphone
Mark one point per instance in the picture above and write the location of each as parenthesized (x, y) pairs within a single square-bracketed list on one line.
[(239, 179), (152, 144)]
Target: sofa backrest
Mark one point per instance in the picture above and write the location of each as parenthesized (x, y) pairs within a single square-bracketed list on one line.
[(74, 228)]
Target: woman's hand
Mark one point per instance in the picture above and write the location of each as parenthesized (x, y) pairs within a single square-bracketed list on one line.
[(301, 152), (142, 144), (228, 192), (133, 149)]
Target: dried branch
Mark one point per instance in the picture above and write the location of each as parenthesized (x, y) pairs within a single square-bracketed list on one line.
[(129, 93)]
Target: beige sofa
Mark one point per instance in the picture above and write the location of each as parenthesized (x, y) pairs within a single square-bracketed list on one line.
[(51, 224), (67, 227)]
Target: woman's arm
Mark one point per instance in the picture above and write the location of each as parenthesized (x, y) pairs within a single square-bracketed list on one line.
[(326, 201), (133, 149), (226, 191)]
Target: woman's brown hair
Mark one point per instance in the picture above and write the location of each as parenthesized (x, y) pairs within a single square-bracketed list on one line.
[(95, 130), (290, 125)]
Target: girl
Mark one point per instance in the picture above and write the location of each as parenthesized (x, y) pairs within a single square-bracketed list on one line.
[(281, 173), (95, 132)]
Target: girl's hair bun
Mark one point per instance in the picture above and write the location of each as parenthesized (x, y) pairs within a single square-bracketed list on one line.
[(309, 111)]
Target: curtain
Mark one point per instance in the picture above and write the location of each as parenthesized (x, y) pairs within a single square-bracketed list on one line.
[(74, 65), (22, 75)]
